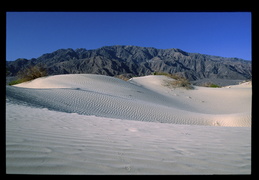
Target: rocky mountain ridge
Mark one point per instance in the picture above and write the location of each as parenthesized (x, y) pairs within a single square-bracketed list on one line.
[(137, 61)]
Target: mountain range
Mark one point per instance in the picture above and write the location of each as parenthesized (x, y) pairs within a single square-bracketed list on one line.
[(137, 61)]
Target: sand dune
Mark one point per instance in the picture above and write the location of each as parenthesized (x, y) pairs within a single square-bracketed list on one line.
[(142, 99), (93, 124)]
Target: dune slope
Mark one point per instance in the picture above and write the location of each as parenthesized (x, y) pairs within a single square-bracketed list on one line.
[(40, 141)]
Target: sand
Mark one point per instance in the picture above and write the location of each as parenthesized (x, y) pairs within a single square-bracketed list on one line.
[(94, 124)]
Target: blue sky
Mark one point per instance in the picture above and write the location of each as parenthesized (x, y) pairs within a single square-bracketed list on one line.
[(31, 34)]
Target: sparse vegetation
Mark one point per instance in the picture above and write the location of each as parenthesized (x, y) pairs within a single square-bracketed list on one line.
[(18, 81), (179, 81), (209, 84), (161, 73), (123, 77), (29, 74)]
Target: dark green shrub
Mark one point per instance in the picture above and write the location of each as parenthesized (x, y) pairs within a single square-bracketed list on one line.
[(18, 81), (29, 74), (209, 84), (32, 72)]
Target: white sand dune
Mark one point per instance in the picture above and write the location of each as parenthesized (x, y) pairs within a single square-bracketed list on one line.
[(142, 99), (93, 124)]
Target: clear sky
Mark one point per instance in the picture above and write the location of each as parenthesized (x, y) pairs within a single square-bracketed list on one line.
[(31, 34)]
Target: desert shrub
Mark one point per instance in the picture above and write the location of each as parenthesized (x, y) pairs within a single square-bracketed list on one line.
[(179, 81), (123, 77), (209, 84), (17, 81), (161, 73), (174, 76), (30, 73)]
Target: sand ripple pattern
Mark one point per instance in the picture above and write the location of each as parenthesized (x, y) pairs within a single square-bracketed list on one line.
[(50, 142)]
